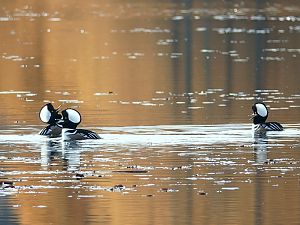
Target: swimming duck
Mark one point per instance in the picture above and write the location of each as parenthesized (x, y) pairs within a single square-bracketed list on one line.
[(260, 115), (48, 114), (71, 118)]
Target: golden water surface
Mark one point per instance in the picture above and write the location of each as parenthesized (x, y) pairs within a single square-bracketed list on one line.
[(150, 63)]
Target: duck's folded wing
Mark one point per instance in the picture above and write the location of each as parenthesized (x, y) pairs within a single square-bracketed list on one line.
[(273, 126), (87, 134)]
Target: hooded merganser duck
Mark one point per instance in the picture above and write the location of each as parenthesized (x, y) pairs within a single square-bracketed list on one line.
[(260, 115), (48, 114), (69, 122)]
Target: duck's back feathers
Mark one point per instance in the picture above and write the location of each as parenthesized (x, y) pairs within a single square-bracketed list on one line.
[(78, 134), (273, 126), (88, 134), (51, 131)]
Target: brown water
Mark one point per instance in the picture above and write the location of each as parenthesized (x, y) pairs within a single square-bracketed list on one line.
[(169, 86)]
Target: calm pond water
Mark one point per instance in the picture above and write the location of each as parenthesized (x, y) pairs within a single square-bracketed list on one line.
[(169, 86)]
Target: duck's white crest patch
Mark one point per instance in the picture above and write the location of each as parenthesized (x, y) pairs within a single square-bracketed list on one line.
[(74, 116), (45, 114), (261, 110)]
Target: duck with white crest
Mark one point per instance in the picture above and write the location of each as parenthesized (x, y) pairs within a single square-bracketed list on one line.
[(260, 115), (71, 118), (48, 114)]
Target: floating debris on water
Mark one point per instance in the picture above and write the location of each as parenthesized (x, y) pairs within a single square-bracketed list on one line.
[(203, 193), (117, 188)]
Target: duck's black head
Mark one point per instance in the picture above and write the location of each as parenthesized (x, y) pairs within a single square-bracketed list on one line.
[(70, 119), (260, 113), (48, 114)]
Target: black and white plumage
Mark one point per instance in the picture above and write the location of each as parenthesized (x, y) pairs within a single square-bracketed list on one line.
[(78, 134), (48, 114), (69, 122), (260, 115)]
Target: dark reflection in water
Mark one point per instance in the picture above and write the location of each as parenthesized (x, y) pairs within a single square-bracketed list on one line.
[(261, 157), (130, 67), (7, 216), (67, 153), (260, 149)]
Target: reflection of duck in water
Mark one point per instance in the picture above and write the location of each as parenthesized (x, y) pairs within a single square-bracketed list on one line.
[(260, 115), (260, 149), (71, 119), (48, 114), (50, 151), (60, 154)]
